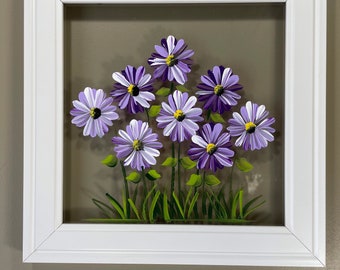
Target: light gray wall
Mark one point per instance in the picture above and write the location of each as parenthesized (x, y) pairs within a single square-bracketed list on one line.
[(11, 137)]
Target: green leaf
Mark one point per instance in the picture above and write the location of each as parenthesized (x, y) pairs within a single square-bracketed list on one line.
[(110, 161), (182, 88), (164, 91), (171, 162), (217, 118), (212, 180), (195, 180), (133, 177), (154, 110), (153, 175), (243, 165), (187, 163)]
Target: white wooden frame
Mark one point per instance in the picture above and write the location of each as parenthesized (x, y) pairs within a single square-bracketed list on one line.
[(300, 242)]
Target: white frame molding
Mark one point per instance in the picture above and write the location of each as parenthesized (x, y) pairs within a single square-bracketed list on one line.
[(301, 242)]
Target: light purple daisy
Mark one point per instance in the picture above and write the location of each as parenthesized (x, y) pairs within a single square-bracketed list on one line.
[(211, 149), (137, 145), (133, 89), (172, 60), (178, 118), (94, 111), (252, 127), (218, 89)]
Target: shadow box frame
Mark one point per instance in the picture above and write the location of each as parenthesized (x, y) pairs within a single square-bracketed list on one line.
[(299, 242)]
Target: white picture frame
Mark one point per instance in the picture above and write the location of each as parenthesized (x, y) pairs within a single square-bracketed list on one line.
[(300, 242)]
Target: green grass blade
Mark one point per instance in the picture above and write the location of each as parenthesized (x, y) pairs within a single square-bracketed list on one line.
[(166, 208), (248, 204), (222, 212), (152, 206), (240, 203), (192, 204), (124, 202), (146, 201), (102, 206), (187, 198), (116, 205), (134, 208), (178, 204), (234, 205), (254, 208)]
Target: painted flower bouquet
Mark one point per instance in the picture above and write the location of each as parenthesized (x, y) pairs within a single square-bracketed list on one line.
[(204, 134)]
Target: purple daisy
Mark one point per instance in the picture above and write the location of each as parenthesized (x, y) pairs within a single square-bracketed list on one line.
[(178, 118), (133, 89), (211, 149), (137, 145), (252, 126), (218, 89), (172, 60), (94, 111)]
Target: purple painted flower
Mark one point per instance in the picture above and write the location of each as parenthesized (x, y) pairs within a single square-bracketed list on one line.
[(133, 89), (178, 118), (137, 145), (94, 111), (211, 149), (252, 127), (218, 89), (172, 60)]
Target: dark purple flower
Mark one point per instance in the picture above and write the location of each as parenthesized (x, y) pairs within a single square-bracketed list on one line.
[(133, 89), (172, 60), (94, 111), (137, 145), (252, 127), (211, 149), (178, 118), (218, 89)]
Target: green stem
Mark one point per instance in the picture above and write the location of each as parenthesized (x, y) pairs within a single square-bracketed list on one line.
[(208, 115), (172, 87), (126, 187), (172, 188), (147, 115), (144, 183), (178, 170)]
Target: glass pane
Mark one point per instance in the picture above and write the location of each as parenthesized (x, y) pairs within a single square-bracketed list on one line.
[(102, 39)]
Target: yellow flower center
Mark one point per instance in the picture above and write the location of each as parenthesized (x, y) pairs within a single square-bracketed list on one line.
[(211, 148), (171, 60), (95, 113), (179, 115), (133, 90), (137, 145), (250, 127), (218, 90)]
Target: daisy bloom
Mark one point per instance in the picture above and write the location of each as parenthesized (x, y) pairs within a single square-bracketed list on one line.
[(137, 145), (217, 89), (178, 118), (133, 89), (172, 60), (252, 127), (94, 111), (211, 149)]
